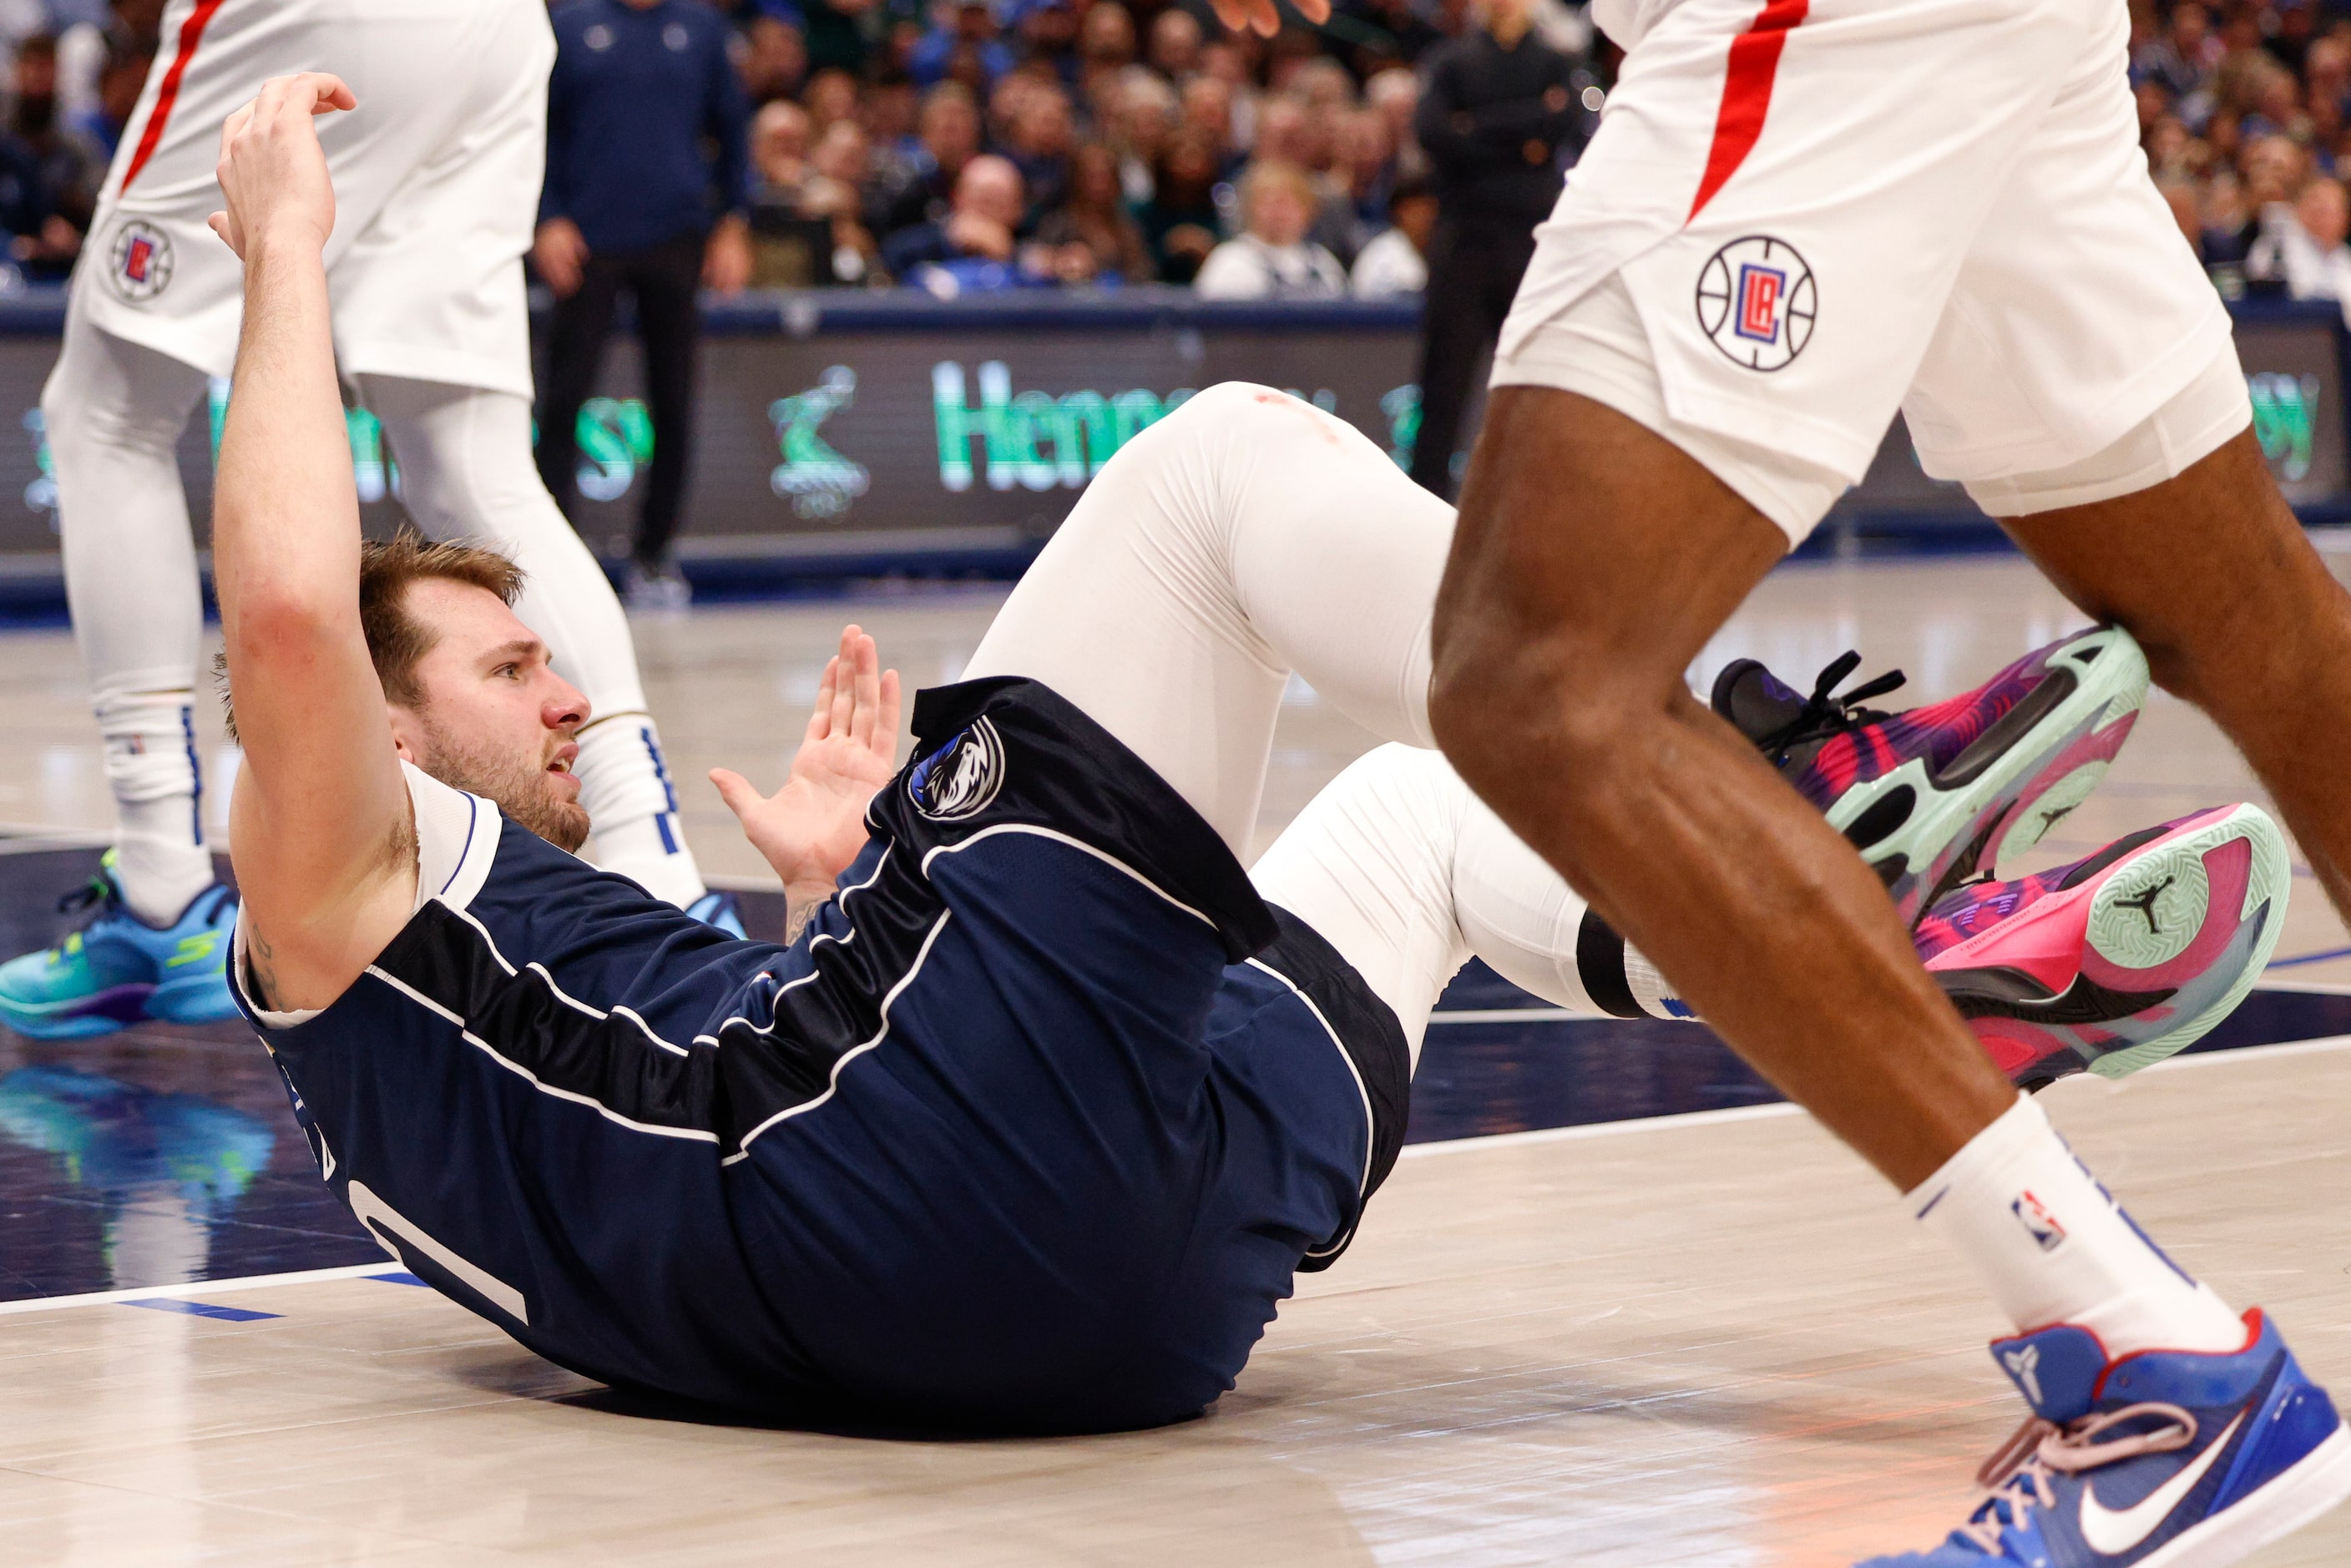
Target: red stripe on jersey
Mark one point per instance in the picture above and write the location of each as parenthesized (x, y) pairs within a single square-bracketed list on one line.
[(1747, 93), (192, 32)]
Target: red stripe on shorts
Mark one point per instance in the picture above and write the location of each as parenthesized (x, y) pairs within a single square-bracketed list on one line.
[(192, 32), (1747, 93)]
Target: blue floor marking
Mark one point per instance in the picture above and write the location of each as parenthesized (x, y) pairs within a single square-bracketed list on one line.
[(397, 1280), (100, 1138), (203, 1309)]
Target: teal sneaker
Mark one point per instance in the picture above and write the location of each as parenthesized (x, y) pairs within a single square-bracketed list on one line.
[(118, 969), (719, 908)]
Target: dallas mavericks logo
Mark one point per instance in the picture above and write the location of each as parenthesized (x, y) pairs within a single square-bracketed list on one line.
[(1756, 300), (961, 777), (140, 261)]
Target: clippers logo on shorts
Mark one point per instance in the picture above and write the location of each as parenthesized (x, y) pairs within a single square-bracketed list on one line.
[(2036, 1219), (140, 261), (961, 777), (1756, 300)]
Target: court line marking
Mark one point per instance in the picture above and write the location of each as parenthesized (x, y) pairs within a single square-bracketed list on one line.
[(195, 1291), (1724, 1117), (2326, 1045)]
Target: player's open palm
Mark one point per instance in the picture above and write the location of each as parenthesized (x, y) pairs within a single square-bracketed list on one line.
[(272, 170), (813, 827)]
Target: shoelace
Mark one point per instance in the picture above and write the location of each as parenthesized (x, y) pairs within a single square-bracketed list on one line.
[(1827, 713), (2018, 1476)]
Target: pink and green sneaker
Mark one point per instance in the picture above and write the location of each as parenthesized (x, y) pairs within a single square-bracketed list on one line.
[(2119, 960), (1931, 795)]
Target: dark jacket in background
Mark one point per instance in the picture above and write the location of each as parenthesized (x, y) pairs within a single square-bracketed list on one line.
[(633, 98), (1499, 126)]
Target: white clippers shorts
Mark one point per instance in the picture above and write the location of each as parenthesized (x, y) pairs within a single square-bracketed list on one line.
[(1795, 219), (436, 182)]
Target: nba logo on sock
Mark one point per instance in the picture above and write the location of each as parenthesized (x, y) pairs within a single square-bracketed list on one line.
[(142, 261), (1756, 300), (2038, 1221), (961, 777)]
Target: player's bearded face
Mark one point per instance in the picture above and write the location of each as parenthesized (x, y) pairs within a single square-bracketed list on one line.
[(494, 719), (521, 775)]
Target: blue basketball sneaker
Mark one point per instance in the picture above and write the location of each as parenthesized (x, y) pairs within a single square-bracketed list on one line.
[(2163, 1459), (118, 969)]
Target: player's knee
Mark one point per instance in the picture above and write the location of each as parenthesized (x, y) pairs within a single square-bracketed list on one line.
[(1506, 696)]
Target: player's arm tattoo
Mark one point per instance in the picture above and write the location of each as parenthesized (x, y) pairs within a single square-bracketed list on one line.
[(796, 914)]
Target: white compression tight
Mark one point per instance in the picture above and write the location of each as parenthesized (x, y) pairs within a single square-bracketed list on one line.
[(113, 412), (1247, 535), (466, 472)]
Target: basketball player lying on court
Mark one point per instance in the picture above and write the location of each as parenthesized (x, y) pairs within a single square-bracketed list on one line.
[(1032, 1124)]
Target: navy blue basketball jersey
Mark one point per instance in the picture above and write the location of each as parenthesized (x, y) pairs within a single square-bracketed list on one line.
[(1030, 1130)]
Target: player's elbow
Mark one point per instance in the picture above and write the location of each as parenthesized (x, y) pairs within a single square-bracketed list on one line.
[(264, 629)]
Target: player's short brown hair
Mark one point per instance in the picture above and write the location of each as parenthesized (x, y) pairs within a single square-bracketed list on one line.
[(395, 639)]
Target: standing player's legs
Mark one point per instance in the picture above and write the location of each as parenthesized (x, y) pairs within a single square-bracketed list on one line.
[(1245, 536), (113, 412), (1646, 462), (465, 473), (575, 335), (667, 281)]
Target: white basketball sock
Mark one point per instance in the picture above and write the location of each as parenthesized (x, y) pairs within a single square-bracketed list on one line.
[(161, 861), (2055, 1248), (633, 808)]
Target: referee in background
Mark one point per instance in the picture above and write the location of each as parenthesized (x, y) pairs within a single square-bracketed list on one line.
[(634, 202), (1499, 117)]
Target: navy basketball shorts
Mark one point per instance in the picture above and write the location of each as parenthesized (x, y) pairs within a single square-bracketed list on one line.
[(1029, 1130)]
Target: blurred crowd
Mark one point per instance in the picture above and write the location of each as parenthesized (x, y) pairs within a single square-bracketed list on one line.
[(954, 145), (2244, 110), (72, 71), (961, 145)]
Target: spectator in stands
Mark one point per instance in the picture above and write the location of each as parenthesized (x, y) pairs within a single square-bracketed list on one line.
[(1180, 221), (830, 95), (774, 59), (1498, 119), (1395, 261), (963, 44), (780, 147), (631, 203), (1273, 258), (1143, 115), (1394, 95), (1105, 40), (2229, 226), (835, 193), (1039, 144), (2310, 254), (950, 139), (1206, 106), (2183, 58), (1390, 33), (1091, 237), (1175, 44), (51, 178), (120, 80), (983, 225), (833, 29)]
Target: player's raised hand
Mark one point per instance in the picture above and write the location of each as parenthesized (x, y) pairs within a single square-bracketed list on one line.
[(813, 827), (272, 171), (1264, 16)]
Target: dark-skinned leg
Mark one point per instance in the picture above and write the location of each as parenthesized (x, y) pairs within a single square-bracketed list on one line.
[(1592, 561), (2239, 615)]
